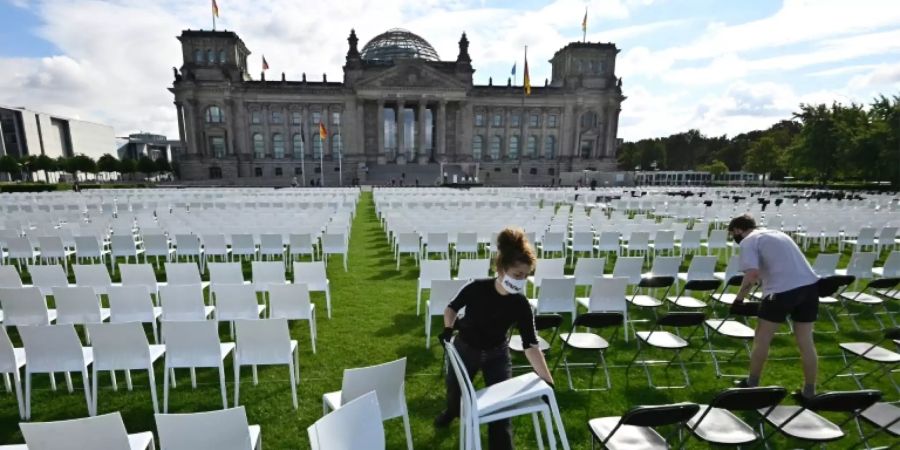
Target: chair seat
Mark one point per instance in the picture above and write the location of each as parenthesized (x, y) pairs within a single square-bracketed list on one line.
[(662, 339), (254, 435), (627, 437), (686, 302), (807, 425), (645, 301), (726, 298), (515, 343), (881, 414), (720, 426), (730, 328), (876, 353), (585, 341), (225, 348), (862, 297), (827, 300), (156, 351), (208, 310), (509, 392), (889, 293), (332, 400)]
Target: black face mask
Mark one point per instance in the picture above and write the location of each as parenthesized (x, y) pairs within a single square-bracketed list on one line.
[(737, 238)]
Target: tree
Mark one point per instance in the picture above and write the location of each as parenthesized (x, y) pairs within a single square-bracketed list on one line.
[(128, 166), (816, 151), (26, 165), (146, 166), (762, 158), (162, 164), (83, 164), (9, 165), (108, 163), (716, 168), (45, 164)]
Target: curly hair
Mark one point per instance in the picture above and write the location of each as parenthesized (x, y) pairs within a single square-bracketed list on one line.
[(513, 248)]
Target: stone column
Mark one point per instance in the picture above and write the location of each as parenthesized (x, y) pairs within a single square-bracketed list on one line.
[(465, 129), (526, 117), (420, 133), (190, 142), (576, 144), (612, 131), (380, 131), (267, 135), (401, 128), (543, 136), (359, 130), (488, 138), (305, 131), (504, 152), (440, 145), (179, 109)]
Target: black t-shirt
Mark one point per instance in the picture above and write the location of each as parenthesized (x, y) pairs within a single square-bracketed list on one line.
[(489, 315)]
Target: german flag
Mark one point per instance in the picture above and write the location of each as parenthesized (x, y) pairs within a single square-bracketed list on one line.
[(215, 8), (323, 132), (527, 77), (265, 64)]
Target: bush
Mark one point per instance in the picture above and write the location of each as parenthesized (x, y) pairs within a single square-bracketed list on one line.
[(27, 187)]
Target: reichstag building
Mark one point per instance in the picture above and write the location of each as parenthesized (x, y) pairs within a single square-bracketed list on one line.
[(400, 114)]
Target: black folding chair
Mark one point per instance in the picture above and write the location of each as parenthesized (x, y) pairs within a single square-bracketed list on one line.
[(651, 302), (887, 360), (635, 429), (870, 297), (830, 289), (724, 297), (542, 322), (802, 422), (589, 341), (732, 329), (884, 416), (664, 340), (717, 424), (682, 300)]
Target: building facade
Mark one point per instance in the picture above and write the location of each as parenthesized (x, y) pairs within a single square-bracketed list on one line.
[(24, 132), (400, 114), (153, 146)]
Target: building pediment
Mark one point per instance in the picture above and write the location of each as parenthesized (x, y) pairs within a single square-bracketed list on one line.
[(406, 74)]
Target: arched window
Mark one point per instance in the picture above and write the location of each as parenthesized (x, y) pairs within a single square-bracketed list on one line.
[(550, 147), (210, 56), (221, 56), (198, 58), (214, 115), (477, 147), (513, 152), (297, 144), (532, 146), (259, 146), (496, 145), (215, 172), (217, 146), (278, 146), (317, 146), (337, 143)]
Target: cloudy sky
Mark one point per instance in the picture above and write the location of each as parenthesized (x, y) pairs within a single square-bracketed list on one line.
[(720, 66)]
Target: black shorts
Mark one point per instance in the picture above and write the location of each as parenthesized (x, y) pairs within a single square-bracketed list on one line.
[(801, 304)]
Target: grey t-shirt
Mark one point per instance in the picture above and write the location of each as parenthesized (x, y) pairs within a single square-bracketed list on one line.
[(780, 262)]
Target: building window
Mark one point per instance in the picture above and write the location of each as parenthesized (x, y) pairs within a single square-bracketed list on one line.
[(550, 147), (277, 117), (533, 171), (257, 171), (515, 170), (259, 146), (316, 118), (278, 172), (210, 56), (278, 146), (551, 171), (297, 145), (479, 119), (588, 120), (215, 173), (513, 151), (214, 115), (221, 56), (317, 146), (296, 118), (496, 145), (497, 120), (298, 171), (198, 58), (255, 117), (337, 144), (477, 147), (336, 119), (552, 120), (515, 120), (318, 170), (534, 120), (532, 146), (587, 148), (217, 146)]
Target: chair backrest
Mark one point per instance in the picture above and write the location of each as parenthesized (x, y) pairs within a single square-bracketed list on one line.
[(87, 246), (588, 268), (473, 269), (214, 244), (702, 268), (313, 274), (549, 268), (608, 240), (659, 415), (52, 348), (408, 242), (187, 244), (156, 244), (122, 244), (7, 354), (192, 343), (691, 239), (664, 239), (48, 277), (702, 285), (467, 389), (681, 319), (892, 264), (182, 273), (825, 264), (263, 341), (78, 305), (608, 294), (599, 320), (748, 399), (665, 266), (182, 302), (355, 425), (861, 264), (443, 292), (436, 269), (92, 275), (718, 238), (225, 429), (130, 303), (243, 243), (119, 346), (138, 275), (271, 242), (557, 295), (629, 267), (225, 273), (267, 273), (237, 302), (51, 246), (300, 243), (334, 242), (839, 401), (387, 380), (9, 277), (99, 432), (23, 306), (638, 240)]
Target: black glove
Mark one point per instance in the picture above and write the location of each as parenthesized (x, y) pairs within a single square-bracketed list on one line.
[(446, 335)]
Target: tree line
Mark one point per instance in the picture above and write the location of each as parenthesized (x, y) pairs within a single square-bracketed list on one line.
[(819, 143), (79, 166)]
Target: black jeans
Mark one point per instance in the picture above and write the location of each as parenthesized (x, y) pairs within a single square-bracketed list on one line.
[(495, 366)]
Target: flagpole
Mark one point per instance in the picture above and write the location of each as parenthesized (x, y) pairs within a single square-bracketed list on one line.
[(322, 159), (584, 26), (302, 155), (523, 141)]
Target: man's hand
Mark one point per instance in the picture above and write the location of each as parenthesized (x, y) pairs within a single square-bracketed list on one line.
[(446, 335)]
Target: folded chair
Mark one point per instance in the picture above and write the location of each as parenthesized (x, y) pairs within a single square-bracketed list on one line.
[(731, 329), (635, 429), (717, 424), (885, 416), (589, 342), (664, 340)]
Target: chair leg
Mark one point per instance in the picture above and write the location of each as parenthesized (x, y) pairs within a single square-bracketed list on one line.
[(165, 389), (153, 398), (27, 395), (222, 385), (17, 382), (94, 385), (537, 431), (293, 385), (406, 428), (237, 383), (86, 382)]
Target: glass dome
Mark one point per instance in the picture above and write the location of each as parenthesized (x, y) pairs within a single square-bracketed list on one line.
[(397, 44)]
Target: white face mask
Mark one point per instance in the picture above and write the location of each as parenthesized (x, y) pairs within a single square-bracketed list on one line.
[(512, 285)]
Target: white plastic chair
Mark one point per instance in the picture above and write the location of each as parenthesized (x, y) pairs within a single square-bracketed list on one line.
[(586, 269), (79, 306), (430, 270), (701, 268), (140, 275), (243, 245), (407, 243), (316, 279), (9, 277), (362, 415), (123, 346), (94, 276), (53, 250), (301, 244), (237, 302), (48, 277), (891, 266), (582, 242), (214, 245), (188, 246), (89, 248), (386, 380), (184, 273), (690, 242), (11, 361), (105, 432), (664, 241), (437, 243), (546, 268), (553, 242), (608, 295), (442, 293), (267, 273), (557, 295), (335, 244), (55, 348), (860, 266), (224, 274), (133, 304), (466, 244), (718, 240), (157, 245), (221, 430), (608, 241), (271, 245), (192, 344), (630, 267), (124, 245), (22, 250), (473, 269), (183, 302), (291, 302), (25, 306), (825, 264), (265, 342)]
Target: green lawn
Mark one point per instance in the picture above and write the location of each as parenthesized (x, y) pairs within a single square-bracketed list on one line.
[(375, 322)]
